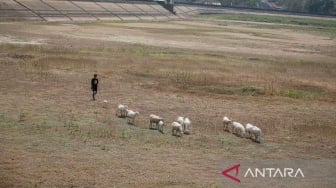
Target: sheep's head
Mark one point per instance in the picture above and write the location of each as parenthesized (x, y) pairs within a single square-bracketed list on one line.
[(226, 119), (180, 120), (161, 123)]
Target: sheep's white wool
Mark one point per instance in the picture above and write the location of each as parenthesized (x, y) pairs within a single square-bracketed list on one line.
[(160, 126), (131, 113), (177, 129), (253, 132), (226, 119), (186, 125), (121, 110), (156, 121), (180, 120), (249, 127), (226, 123), (131, 116), (238, 129), (105, 103), (154, 117), (256, 132)]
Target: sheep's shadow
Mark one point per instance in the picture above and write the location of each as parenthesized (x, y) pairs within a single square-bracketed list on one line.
[(130, 123), (156, 129), (119, 116)]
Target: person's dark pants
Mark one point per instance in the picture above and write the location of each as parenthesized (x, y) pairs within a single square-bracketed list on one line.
[(94, 92)]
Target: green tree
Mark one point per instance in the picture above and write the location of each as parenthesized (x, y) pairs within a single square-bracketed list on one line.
[(242, 3), (253, 3), (320, 6), (311, 6)]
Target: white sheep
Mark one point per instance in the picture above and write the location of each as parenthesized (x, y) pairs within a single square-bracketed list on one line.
[(226, 123), (186, 126), (238, 129), (154, 119), (105, 104), (256, 132), (177, 129), (130, 116), (160, 126), (180, 120), (121, 110), (248, 129)]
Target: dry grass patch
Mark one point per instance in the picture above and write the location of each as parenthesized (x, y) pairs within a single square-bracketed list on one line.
[(54, 135)]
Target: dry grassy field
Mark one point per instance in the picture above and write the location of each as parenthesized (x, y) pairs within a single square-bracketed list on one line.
[(280, 77)]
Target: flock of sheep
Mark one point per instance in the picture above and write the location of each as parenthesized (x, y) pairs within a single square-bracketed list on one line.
[(249, 131), (182, 125)]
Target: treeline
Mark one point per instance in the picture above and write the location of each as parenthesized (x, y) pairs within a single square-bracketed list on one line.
[(310, 6)]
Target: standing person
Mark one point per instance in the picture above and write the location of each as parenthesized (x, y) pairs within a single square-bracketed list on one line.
[(94, 86)]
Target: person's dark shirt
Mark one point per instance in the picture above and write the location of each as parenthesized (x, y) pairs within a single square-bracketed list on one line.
[(94, 84)]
